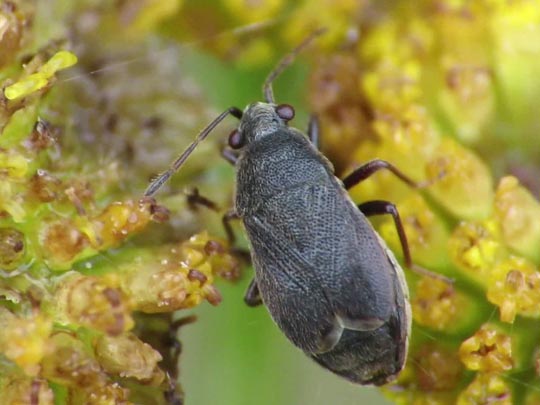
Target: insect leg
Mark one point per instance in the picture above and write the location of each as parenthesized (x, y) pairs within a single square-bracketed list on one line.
[(194, 199), (252, 296), (226, 220), (313, 130), (229, 155), (381, 207), (367, 169)]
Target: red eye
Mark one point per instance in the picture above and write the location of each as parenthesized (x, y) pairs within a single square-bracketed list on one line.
[(236, 140), (285, 112)]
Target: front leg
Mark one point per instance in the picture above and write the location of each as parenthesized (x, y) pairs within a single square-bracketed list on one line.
[(231, 237)]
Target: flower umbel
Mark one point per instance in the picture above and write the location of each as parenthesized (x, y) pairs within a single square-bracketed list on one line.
[(444, 90)]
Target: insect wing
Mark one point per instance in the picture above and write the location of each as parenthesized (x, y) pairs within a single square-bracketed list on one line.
[(312, 269), (296, 304)]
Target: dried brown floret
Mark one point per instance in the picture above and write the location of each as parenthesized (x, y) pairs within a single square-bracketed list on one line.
[(93, 302), (488, 350)]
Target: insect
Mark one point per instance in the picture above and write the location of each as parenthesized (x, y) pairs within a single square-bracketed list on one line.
[(328, 280)]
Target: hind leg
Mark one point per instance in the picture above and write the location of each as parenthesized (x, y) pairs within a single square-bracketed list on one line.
[(380, 207)]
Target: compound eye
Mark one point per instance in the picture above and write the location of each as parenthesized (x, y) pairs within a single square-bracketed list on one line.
[(285, 112), (236, 140)]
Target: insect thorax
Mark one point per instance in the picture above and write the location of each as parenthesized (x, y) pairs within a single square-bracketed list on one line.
[(279, 162)]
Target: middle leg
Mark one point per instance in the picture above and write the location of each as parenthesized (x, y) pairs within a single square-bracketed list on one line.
[(368, 169), (252, 297)]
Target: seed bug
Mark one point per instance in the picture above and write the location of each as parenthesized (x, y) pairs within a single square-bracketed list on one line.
[(327, 278)]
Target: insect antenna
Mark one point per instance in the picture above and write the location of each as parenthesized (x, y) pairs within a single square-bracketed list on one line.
[(284, 63), (161, 179)]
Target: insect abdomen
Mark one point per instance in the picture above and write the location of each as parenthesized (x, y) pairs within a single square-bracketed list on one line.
[(321, 269)]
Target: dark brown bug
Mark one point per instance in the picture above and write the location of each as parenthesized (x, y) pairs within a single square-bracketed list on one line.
[(328, 280)]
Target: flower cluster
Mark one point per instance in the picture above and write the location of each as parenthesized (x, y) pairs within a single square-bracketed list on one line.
[(74, 277), (433, 88)]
